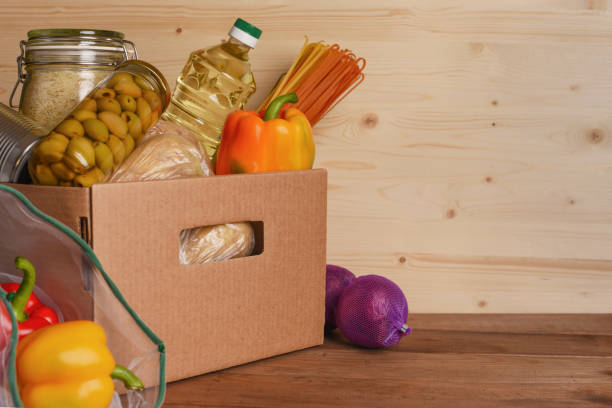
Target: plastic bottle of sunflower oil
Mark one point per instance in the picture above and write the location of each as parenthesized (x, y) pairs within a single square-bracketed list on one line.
[(214, 82)]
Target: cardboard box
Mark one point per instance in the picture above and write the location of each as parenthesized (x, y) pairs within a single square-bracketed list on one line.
[(220, 314)]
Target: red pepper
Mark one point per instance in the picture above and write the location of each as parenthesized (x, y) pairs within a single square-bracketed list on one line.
[(30, 312)]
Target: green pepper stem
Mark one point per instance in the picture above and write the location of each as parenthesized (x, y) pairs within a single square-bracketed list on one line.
[(277, 103), (24, 291), (127, 377)]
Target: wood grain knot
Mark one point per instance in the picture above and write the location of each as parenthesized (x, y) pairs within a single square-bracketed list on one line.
[(402, 259), (450, 213), (477, 48), (571, 201), (179, 30), (488, 179), (482, 303), (369, 120), (575, 87), (596, 136), (493, 124), (494, 102)]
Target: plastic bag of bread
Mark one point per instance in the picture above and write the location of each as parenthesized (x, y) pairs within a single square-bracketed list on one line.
[(216, 243), (169, 151)]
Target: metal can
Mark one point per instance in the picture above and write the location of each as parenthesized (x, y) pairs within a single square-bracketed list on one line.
[(18, 136), (103, 130)]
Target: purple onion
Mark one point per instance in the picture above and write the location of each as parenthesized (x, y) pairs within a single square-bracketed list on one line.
[(372, 312), (336, 279)]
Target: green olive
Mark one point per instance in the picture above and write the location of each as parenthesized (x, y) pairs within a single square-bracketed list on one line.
[(96, 129), (129, 144), (154, 117), (104, 93), (80, 155), (62, 171), (45, 176), (109, 104), (48, 155), (83, 114), (51, 149), (143, 83), (133, 123), (143, 110), (88, 104), (152, 98), (104, 157), (128, 88), (93, 176), (117, 147), (120, 77), (127, 103), (71, 128), (60, 138), (114, 123)]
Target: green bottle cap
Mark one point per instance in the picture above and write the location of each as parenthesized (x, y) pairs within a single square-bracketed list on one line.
[(245, 32)]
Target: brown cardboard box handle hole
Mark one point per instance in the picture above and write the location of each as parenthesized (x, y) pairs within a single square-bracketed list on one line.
[(216, 243)]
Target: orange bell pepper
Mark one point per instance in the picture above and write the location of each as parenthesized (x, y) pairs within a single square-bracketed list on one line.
[(252, 145)]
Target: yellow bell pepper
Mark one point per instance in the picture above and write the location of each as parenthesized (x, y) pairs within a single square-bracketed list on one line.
[(68, 365)]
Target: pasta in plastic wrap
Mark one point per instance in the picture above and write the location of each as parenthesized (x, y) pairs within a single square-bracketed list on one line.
[(169, 151), (71, 281)]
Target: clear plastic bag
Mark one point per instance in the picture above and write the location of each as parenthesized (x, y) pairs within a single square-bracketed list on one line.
[(8, 340), (70, 274), (169, 151), (216, 243)]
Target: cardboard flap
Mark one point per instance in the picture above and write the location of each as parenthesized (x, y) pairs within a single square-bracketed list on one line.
[(69, 205)]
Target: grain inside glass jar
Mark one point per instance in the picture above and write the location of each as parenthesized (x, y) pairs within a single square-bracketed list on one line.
[(59, 67)]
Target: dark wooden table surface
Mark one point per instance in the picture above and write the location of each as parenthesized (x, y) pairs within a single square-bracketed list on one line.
[(448, 361)]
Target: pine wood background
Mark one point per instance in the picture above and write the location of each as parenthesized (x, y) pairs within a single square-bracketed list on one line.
[(473, 166)]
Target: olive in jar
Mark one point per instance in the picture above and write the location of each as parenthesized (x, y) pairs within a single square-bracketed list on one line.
[(99, 134)]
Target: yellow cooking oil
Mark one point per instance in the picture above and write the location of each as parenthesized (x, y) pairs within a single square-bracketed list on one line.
[(214, 82)]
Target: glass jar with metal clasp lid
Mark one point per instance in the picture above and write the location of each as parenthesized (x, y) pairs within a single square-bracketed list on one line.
[(59, 67)]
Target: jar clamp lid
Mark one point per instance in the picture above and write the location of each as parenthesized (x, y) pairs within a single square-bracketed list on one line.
[(71, 47)]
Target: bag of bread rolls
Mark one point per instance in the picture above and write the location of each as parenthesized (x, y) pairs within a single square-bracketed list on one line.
[(169, 151), (216, 243)]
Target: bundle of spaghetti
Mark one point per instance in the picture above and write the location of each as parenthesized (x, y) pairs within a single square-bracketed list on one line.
[(321, 76)]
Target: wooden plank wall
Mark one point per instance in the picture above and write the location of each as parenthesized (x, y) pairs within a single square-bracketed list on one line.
[(474, 165)]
